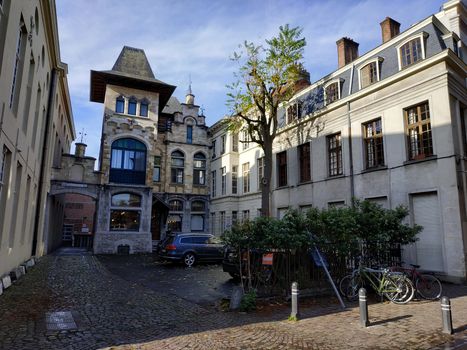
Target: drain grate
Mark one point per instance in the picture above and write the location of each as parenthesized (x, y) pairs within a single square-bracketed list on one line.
[(60, 320)]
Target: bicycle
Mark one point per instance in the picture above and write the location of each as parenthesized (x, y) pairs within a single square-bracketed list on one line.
[(395, 286), (427, 286)]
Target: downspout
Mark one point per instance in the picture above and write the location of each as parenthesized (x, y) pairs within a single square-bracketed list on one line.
[(42, 170), (349, 132)]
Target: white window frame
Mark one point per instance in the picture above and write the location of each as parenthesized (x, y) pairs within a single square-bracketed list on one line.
[(339, 82), (422, 36), (378, 61)]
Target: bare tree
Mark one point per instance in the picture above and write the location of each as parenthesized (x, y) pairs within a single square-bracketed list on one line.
[(265, 79)]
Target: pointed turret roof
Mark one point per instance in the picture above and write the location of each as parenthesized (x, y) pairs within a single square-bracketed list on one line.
[(132, 70)]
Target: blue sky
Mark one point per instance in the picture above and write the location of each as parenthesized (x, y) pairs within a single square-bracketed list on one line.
[(197, 37)]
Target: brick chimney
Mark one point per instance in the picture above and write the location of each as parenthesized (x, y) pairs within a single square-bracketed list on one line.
[(389, 29), (347, 51)]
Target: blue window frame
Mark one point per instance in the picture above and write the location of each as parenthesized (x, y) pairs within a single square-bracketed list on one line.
[(120, 105), (189, 134), (132, 106), (128, 162), (143, 108)]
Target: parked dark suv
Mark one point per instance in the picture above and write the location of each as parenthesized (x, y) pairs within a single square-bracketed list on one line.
[(191, 248)]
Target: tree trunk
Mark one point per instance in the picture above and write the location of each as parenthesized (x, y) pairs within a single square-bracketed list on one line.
[(266, 181)]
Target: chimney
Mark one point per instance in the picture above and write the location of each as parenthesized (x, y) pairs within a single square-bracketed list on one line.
[(80, 149), (347, 51), (303, 80), (389, 29)]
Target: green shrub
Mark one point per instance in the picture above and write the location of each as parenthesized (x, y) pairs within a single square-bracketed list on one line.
[(248, 302)]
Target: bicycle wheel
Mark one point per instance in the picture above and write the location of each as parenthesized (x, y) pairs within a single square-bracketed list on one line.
[(398, 289), (428, 287), (349, 287)]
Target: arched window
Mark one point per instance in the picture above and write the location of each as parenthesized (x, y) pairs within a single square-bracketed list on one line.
[(178, 166), (132, 102), (199, 169), (125, 212), (143, 108), (197, 215), (120, 105), (176, 205), (128, 162)]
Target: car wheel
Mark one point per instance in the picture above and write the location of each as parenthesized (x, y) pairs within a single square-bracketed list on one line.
[(189, 259)]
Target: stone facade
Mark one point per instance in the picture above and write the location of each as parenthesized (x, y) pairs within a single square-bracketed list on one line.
[(431, 185), (139, 112)]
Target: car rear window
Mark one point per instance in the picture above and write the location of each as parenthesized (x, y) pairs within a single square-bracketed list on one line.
[(186, 240), (200, 240)]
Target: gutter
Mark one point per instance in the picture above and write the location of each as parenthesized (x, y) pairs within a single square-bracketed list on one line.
[(349, 131)]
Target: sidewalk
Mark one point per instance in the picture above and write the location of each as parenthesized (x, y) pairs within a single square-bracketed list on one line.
[(100, 310)]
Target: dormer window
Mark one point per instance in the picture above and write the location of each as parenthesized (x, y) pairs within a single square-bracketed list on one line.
[(332, 91), (120, 105), (412, 50), (132, 106), (294, 111), (143, 108), (370, 72)]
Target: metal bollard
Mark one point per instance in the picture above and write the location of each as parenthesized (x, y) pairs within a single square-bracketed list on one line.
[(446, 315), (363, 307), (294, 314)]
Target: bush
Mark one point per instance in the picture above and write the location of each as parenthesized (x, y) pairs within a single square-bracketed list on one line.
[(248, 302)]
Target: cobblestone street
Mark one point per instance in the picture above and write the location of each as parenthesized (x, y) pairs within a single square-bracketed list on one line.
[(110, 312)]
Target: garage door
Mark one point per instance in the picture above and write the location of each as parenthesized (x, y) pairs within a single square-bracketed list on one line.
[(429, 246)]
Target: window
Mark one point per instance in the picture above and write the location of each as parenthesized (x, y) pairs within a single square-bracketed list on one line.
[(304, 162), (222, 223), (197, 215), (419, 138), (223, 180), (132, 106), (176, 205), (18, 66), (125, 212), (177, 167), (246, 215), (332, 92), (334, 154), (234, 142), (156, 175), (174, 223), (213, 147), (373, 143), (260, 162), (234, 217), (213, 189), (120, 105), (199, 169), (246, 177), (5, 164), (281, 168), (246, 139), (128, 161), (189, 134), (143, 108), (3, 159), (126, 200), (223, 144), (411, 50), (369, 74), (294, 111), (234, 178)]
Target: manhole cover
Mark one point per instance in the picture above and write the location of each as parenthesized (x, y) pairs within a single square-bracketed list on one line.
[(60, 320)]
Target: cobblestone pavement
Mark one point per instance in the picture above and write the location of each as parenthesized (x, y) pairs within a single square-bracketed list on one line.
[(110, 312)]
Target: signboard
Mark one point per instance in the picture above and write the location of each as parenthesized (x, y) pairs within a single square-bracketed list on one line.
[(268, 258)]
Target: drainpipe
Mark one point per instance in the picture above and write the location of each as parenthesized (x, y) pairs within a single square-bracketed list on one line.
[(349, 131), (42, 170)]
